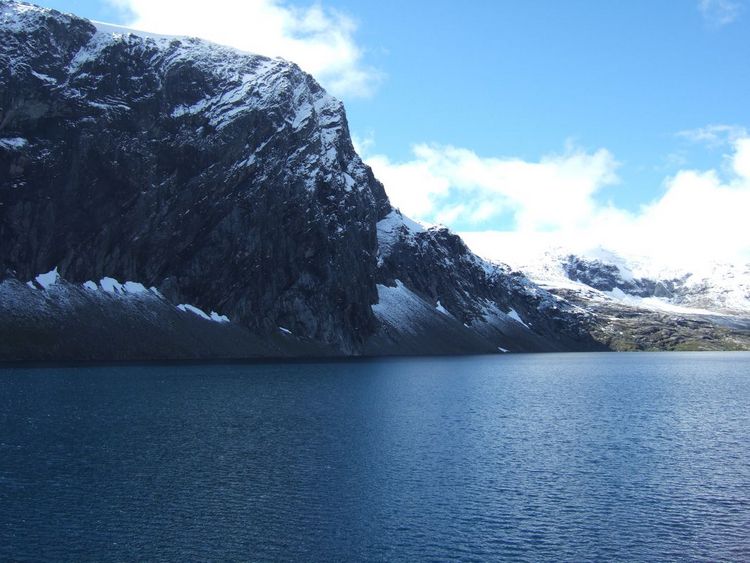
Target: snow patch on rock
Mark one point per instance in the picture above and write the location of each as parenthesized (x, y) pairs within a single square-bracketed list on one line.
[(111, 285), (395, 227), (134, 287), (513, 314), (13, 143), (440, 308), (217, 318), (49, 279), (213, 316), (401, 308)]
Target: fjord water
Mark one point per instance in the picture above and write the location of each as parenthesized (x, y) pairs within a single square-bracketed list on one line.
[(528, 457)]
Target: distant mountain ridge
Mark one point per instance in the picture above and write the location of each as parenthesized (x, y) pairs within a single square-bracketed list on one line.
[(718, 288), (640, 304), (168, 197)]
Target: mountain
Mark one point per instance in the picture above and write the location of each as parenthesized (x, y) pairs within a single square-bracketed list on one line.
[(637, 303), (165, 197), (429, 277)]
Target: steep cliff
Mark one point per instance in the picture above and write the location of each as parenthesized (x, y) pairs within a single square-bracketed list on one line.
[(228, 183)]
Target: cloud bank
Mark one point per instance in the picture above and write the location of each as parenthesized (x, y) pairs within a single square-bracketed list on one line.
[(320, 40), (445, 183), (700, 216)]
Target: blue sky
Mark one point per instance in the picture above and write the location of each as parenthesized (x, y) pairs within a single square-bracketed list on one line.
[(661, 87)]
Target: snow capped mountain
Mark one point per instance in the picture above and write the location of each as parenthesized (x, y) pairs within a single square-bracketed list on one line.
[(639, 282), (218, 199), (228, 183), (638, 303)]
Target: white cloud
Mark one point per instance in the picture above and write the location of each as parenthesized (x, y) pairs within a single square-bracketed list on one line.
[(699, 218), (714, 135), (447, 183), (741, 161), (320, 40), (720, 12), (363, 144)]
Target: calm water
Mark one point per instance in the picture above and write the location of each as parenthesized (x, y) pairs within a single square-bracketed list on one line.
[(539, 457)]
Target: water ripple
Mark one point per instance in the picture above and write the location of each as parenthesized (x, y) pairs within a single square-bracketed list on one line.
[(528, 458)]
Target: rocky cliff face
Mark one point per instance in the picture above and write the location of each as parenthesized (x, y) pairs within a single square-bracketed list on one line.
[(225, 180), (228, 183)]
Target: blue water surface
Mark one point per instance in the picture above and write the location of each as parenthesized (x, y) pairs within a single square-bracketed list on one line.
[(577, 457)]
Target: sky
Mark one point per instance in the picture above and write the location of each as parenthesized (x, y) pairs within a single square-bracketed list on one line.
[(617, 124)]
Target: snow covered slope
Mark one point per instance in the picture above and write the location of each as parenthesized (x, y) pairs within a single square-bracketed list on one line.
[(638, 303), (706, 289)]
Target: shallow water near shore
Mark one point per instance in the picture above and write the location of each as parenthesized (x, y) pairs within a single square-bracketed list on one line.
[(523, 457)]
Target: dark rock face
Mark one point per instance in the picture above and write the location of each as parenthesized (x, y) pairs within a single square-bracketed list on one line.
[(606, 277), (228, 182), (225, 180)]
